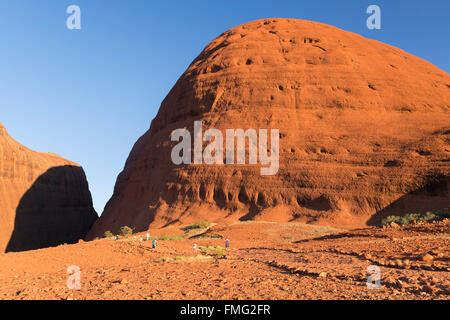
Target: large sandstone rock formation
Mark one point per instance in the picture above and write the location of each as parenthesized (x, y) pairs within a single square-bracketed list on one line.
[(364, 132), (44, 199)]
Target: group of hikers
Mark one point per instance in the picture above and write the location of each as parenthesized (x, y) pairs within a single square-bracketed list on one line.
[(154, 242)]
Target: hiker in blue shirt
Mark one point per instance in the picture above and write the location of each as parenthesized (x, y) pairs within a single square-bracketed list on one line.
[(227, 243), (154, 244)]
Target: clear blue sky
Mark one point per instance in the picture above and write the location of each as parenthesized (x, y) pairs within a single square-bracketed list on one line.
[(88, 94)]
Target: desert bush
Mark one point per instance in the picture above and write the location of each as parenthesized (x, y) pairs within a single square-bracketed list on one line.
[(198, 225), (183, 259), (173, 237), (214, 250), (214, 236), (430, 216), (108, 234), (125, 231), (388, 220), (165, 237), (205, 236)]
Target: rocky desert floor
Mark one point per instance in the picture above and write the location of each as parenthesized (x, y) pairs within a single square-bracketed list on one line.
[(265, 261)]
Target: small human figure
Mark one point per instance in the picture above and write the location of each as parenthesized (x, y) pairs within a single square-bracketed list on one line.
[(116, 238), (154, 244), (148, 236), (195, 247), (227, 244)]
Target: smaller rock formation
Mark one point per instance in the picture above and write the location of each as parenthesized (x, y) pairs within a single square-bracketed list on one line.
[(44, 199)]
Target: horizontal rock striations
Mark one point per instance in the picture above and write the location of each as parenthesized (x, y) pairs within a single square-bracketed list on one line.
[(364, 132)]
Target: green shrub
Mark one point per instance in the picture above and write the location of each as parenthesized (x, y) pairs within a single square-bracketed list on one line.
[(108, 234), (198, 225), (411, 217), (388, 220), (165, 237), (174, 237), (125, 231), (215, 250)]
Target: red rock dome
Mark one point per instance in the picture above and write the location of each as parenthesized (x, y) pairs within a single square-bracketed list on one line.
[(363, 128)]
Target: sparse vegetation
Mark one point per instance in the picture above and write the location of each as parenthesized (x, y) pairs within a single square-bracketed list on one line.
[(211, 236), (182, 259), (219, 251), (108, 234), (165, 237), (197, 228), (416, 217), (126, 231), (163, 259), (171, 237), (215, 236), (205, 224)]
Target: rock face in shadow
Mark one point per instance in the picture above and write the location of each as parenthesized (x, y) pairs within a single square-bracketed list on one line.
[(44, 199), (362, 124), (433, 195)]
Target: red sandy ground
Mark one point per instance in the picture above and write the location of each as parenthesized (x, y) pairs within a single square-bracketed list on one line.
[(265, 261)]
